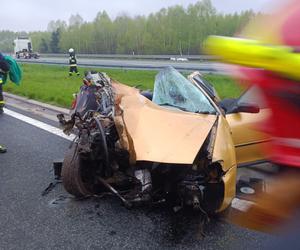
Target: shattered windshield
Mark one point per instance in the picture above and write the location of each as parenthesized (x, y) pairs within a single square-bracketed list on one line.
[(174, 90)]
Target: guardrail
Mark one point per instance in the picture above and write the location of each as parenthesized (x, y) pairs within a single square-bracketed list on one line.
[(134, 57), (187, 66)]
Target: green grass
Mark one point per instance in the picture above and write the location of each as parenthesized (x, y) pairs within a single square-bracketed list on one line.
[(51, 84)]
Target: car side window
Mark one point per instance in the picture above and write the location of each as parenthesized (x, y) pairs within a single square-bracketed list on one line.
[(253, 95)]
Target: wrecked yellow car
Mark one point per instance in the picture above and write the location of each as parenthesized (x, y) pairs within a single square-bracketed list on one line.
[(174, 144)]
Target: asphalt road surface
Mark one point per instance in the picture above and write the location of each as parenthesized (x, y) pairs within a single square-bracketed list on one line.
[(58, 221)]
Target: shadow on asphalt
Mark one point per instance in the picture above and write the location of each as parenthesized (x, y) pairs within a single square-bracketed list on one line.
[(170, 228)]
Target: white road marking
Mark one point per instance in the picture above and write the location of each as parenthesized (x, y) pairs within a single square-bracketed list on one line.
[(39, 124), (242, 205)]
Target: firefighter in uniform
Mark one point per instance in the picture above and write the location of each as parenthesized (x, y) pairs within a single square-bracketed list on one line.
[(73, 62), (4, 68), (8, 69), (271, 61)]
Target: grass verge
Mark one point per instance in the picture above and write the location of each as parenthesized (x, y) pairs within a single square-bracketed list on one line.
[(51, 84)]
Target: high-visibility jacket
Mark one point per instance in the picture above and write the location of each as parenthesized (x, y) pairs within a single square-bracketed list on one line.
[(1, 89), (276, 70), (73, 61)]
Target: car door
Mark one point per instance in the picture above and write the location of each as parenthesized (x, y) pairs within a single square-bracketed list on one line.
[(250, 143)]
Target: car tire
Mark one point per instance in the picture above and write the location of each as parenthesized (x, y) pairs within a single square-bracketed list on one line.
[(72, 173)]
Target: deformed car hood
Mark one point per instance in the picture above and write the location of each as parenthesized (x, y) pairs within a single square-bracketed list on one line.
[(159, 134)]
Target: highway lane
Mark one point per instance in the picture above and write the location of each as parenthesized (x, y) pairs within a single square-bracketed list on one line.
[(57, 221), (131, 64)]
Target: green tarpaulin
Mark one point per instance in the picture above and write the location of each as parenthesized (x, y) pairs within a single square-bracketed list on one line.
[(15, 72)]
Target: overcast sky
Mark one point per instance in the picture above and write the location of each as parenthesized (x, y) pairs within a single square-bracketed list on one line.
[(32, 15)]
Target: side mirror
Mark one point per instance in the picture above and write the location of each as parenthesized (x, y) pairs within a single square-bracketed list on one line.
[(246, 108)]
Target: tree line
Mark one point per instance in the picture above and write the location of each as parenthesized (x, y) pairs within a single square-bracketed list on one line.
[(173, 30)]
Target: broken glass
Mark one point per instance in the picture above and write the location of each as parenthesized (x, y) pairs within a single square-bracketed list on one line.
[(174, 90)]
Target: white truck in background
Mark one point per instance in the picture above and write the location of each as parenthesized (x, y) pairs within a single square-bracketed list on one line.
[(23, 48)]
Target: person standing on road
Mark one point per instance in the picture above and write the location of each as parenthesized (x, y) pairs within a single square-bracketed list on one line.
[(270, 59), (4, 69), (73, 62), (8, 67)]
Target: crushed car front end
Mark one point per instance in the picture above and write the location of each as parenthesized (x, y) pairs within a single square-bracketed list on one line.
[(176, 147)]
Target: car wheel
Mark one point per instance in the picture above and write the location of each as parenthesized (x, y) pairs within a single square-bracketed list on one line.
[(76, 176)]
